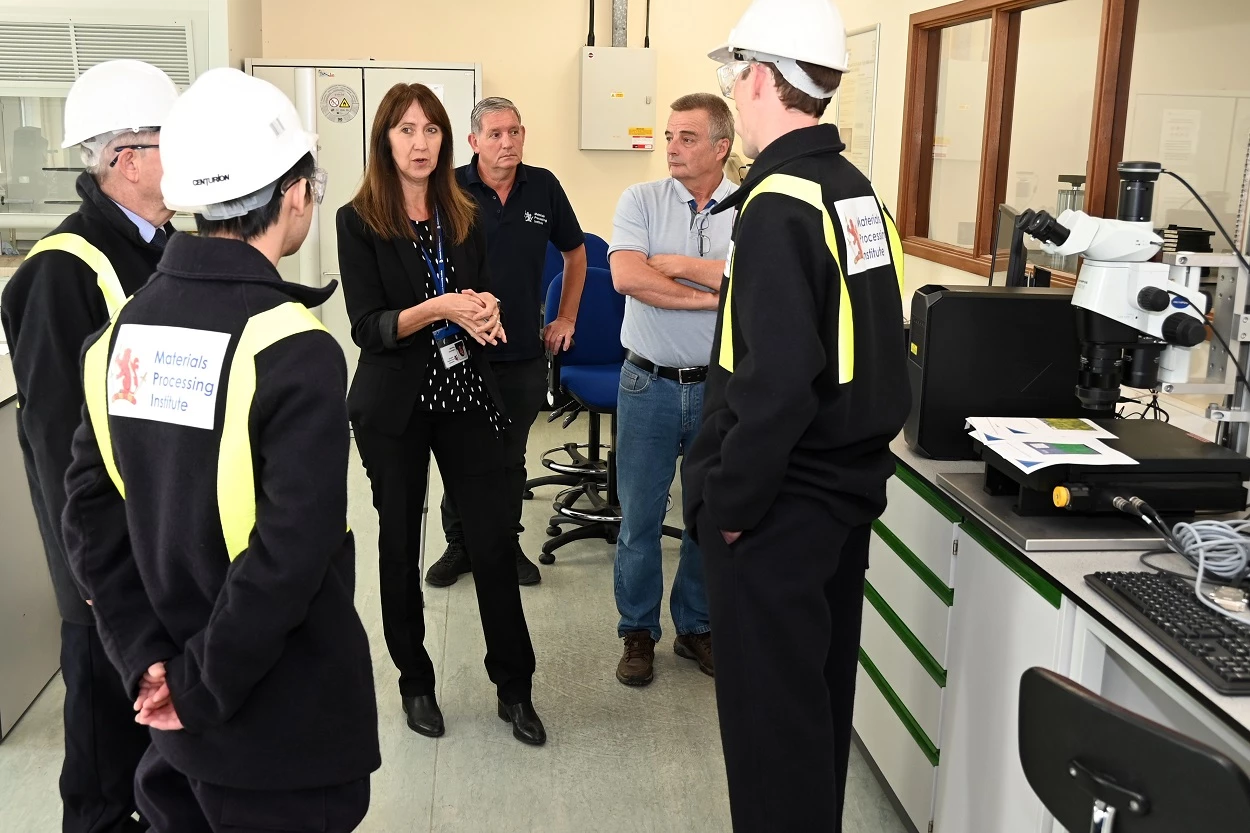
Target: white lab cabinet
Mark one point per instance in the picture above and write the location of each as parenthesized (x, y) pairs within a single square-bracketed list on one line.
[(1006, 619), (338, 100)]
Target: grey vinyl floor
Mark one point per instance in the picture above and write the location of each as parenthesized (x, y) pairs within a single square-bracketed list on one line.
[(618, 759)]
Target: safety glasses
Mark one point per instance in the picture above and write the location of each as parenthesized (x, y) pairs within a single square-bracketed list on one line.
[(728, 75), (316, 184), (118, 150)]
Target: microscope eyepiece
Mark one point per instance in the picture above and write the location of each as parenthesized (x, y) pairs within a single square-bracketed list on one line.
[(1041, 226)]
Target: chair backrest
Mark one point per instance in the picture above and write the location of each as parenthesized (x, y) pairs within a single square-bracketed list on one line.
[(596, 258), (597, 336), (1078, 749), (596, 252)]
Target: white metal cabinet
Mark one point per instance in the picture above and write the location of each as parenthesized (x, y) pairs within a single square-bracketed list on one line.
[(899, 690), (1006, 619)]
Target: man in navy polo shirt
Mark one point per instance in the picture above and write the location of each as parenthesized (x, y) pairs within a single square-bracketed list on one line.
[(522, 209)]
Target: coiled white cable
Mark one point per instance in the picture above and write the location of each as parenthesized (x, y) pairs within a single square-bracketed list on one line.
[(1220, 547)]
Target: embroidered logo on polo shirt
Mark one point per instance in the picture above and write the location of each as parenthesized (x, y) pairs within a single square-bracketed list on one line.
[(536, 218)]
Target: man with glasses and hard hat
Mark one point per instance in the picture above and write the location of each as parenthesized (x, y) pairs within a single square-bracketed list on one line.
[(806, 389), (65, 290), (207, 498)]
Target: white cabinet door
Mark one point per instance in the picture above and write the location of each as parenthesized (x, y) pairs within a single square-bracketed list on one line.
[(1006, 619)]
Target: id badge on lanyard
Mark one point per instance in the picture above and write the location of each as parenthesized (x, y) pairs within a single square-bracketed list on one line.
[(450, 340)]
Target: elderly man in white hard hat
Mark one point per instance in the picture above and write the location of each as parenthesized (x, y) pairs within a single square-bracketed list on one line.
[(65, 290), (807, 387), (207, 498)]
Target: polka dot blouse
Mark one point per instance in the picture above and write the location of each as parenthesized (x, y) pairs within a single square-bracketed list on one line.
[(459, 389)]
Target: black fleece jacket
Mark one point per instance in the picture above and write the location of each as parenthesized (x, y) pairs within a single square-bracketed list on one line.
[(803, 394), (267, 661), (49, 308)]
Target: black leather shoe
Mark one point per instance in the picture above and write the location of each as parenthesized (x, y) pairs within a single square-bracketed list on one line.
[(527, 727), (448, 569), (526, 571), (424, 716)]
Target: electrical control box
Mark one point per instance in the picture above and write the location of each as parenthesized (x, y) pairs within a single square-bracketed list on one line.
[(618, 99)]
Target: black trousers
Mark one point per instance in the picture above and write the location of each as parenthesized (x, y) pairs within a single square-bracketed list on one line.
[(470, 459), (523, 388), (103, 744), (175, 803), (786, 601)]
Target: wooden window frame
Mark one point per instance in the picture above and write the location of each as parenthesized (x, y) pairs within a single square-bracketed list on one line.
[(1115, 61)]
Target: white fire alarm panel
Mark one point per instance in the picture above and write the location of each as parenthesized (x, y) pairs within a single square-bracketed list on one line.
[(618, 99)]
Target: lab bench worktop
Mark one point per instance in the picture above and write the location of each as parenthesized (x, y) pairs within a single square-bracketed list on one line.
[(963, 596)]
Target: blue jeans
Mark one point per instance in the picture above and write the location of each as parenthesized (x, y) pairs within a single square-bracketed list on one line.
[(657, 419)]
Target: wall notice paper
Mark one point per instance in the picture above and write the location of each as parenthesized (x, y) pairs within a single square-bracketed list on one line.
[(855, 114), (1035, 443)]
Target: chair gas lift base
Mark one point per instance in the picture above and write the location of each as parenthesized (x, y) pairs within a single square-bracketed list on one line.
[(585, 378)]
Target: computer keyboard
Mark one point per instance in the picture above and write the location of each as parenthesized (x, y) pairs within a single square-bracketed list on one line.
[(1214, 647)]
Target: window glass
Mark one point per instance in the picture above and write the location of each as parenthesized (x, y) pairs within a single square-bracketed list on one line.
[(963, 75)]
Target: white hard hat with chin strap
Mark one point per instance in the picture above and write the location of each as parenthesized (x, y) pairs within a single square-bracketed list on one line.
[(784, 32), (227, 141)]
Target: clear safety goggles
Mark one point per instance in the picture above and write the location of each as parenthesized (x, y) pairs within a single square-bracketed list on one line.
[(728, 75), (316, 184)]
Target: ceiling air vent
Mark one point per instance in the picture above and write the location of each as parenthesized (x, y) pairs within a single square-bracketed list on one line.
[(36, 52), (60, 52), (166, 47)]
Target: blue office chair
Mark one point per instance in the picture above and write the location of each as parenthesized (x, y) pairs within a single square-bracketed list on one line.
[(596, 258), (586, 377)]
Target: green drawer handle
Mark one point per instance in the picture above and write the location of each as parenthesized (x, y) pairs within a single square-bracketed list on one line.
[(914, 729), (930, 578), (1014, 563), (905, 635), (930, 495)]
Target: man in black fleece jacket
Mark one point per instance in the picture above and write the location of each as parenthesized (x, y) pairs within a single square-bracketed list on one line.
[(806, 388), (207, 500), (65, 290)]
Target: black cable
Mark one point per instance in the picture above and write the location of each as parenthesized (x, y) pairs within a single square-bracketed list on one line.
[(646, 38), (590, 35), (1145, 560), (1241, 374)]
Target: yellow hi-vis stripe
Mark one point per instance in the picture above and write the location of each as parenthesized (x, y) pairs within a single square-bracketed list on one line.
[(95, 372), (106, 276), (804, 190), (236, 486), (236, 483)]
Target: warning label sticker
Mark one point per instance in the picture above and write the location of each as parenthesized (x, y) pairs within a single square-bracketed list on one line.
[(340, 104), (647, 132)]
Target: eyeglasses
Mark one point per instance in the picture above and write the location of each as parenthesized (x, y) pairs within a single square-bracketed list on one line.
[(316, 184), (728, 75), (118, 150), (698, 224)]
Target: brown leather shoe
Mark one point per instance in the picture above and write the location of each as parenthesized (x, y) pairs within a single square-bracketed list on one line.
[(636, 666), (698, 647)]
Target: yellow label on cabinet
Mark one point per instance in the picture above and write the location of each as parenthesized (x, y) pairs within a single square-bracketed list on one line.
[(647, 132)]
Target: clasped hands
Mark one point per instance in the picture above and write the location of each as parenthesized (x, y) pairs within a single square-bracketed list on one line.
[(154, 706), (477, 313)]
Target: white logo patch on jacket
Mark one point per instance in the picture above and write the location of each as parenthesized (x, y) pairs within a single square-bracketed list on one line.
[(863, 229), (166, 374)]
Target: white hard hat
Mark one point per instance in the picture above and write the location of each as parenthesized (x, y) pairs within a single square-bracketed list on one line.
[(784, 31), (116, 96), (229, 136)]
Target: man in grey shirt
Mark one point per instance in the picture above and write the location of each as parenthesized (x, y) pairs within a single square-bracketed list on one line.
[(668, 257)]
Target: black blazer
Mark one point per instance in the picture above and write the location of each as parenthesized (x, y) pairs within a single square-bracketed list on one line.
[(382, 277)]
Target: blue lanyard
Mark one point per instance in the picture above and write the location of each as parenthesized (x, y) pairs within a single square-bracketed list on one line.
[(439, 274)]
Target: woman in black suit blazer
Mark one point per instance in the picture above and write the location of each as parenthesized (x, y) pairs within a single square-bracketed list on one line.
[(413, 263)]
